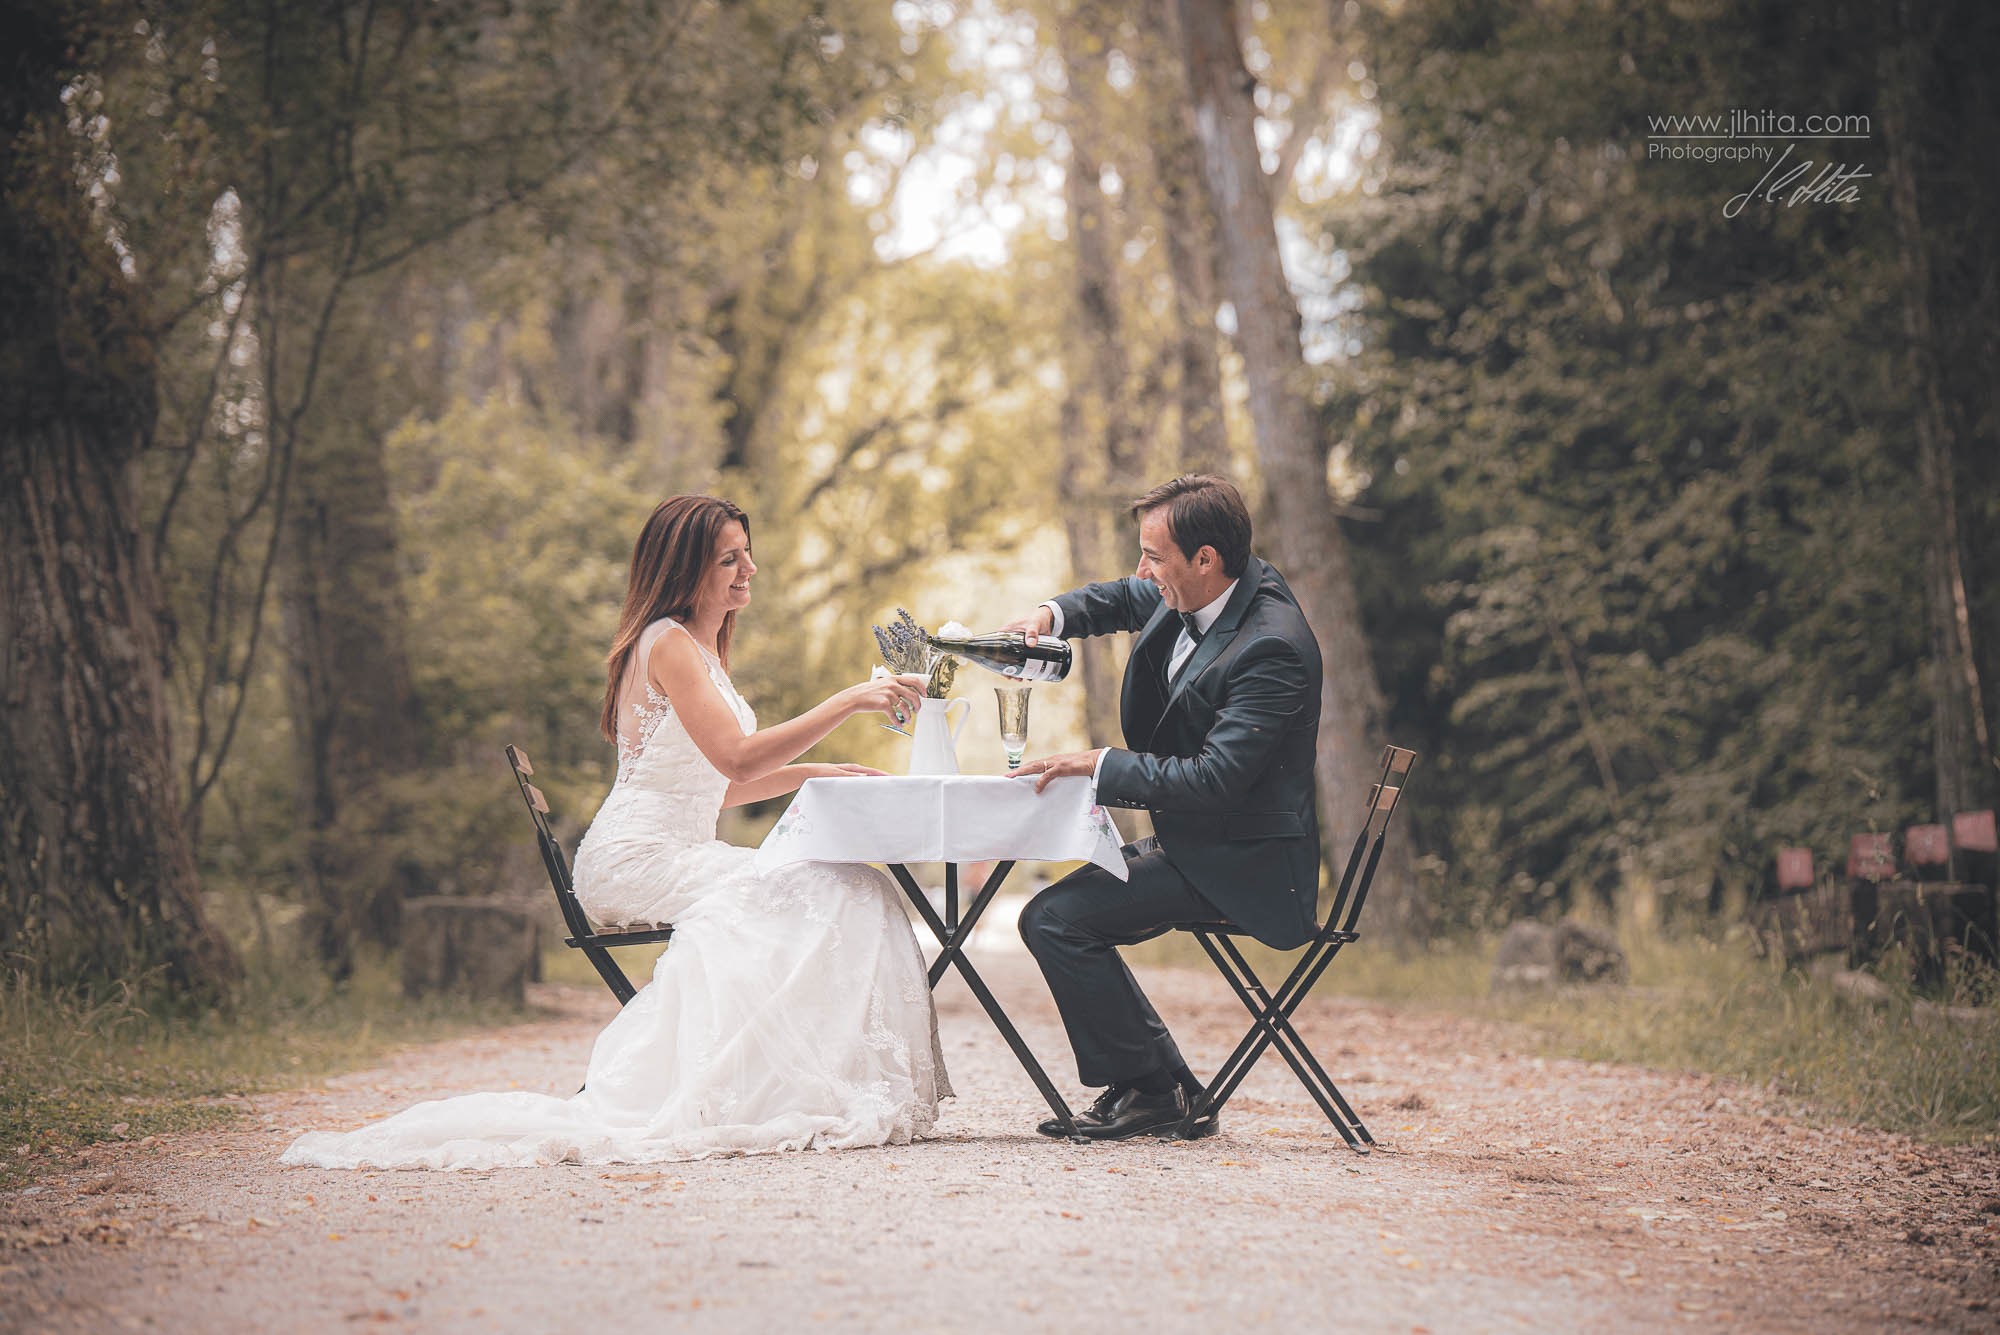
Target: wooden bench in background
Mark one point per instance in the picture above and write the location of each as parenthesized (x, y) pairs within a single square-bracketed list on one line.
[(1937, 898)]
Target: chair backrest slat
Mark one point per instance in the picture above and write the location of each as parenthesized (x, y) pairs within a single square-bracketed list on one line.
[(553, 861), (1366, 855), (1386, 797)]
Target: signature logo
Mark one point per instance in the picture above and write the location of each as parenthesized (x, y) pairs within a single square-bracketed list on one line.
[(1833, 185)]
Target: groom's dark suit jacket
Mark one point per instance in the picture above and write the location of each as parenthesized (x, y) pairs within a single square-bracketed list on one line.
[(1222, 757)]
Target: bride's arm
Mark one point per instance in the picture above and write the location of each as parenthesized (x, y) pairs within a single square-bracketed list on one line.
[(777, 783), (784, 780), (676, 668)]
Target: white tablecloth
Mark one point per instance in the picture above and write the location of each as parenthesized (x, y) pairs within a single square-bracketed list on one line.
[(942, 818)]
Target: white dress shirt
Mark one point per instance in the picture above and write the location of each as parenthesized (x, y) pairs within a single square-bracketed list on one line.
[(1183, 646)]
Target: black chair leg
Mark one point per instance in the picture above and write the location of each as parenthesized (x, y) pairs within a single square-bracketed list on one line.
[(1306, 985), (1271, 1028), (1287, 1006), (613, 976), (1285, 1036), (1271, 1012), (1208, 1099)]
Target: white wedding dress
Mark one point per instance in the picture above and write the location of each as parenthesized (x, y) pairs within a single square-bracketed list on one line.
[(791, 1010)]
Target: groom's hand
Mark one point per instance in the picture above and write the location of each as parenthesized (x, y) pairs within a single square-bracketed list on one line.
[(1034, 625), (1065, 766)]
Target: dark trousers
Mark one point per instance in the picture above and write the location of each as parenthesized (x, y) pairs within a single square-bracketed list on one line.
[(1074, 929)]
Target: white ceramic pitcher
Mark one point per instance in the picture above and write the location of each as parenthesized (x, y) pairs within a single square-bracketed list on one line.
[(935, 748)]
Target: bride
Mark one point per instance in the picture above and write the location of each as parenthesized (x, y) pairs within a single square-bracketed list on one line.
[(792, 1008)]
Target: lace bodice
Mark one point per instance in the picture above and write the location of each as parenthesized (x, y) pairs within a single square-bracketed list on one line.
[(659, 765)]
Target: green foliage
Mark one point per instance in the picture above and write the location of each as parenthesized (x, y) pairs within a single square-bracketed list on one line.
[(515, 536), (1648, 581), (934, 447), (347, 226)]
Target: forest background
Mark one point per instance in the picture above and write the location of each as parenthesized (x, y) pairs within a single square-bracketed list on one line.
[(344, 349)]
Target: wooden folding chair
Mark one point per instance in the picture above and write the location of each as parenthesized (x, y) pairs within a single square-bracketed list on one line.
[(582, 936), (1271, 1012)]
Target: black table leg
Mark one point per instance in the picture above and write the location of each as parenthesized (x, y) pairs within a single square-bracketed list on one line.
[(951, 953), (961, 932)]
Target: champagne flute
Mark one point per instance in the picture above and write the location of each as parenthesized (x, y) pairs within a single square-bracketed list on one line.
[(1013, 722)]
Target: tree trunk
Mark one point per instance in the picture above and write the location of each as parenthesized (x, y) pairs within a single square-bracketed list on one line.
[(1097, 412), (1187, 224), (1961, 745), (356, 726), (601, 354), (1100, 322), (97, 877), (1085, 525), (1303, 535)]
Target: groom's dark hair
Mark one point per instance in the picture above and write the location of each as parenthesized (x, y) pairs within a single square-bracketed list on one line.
[(1203, 510)]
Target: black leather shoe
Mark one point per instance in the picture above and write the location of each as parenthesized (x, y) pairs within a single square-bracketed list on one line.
[(1136, 1114), (1204, 1126), (1094, 1113)]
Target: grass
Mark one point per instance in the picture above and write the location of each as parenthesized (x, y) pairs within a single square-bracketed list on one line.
[(1710, 1006), (75, 1070), (1713, 1006)]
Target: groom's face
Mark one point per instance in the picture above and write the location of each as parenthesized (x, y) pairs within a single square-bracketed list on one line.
[(1183, 582)]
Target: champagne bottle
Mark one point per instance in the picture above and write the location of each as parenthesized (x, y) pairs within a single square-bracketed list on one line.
[(1009, 654)]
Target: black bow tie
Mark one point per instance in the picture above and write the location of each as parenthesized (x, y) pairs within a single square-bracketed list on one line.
[(1192, 627)]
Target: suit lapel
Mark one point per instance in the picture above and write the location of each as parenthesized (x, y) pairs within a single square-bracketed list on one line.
[(1221, 633), (1163, 623), (1145, 695)]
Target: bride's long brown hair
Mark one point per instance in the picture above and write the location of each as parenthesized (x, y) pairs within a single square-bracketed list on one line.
[(668, 561)]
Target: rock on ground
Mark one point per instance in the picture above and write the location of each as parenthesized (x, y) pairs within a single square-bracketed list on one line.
[(1536, 954), (1510, 1192)]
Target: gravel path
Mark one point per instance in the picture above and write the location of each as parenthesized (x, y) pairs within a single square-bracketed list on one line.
[(1510, 1192)]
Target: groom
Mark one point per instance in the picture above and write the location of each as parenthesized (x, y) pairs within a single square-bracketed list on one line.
[(1219, 710)]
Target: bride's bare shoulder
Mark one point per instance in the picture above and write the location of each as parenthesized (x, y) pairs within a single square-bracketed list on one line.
[(670, 644), (675, 658)]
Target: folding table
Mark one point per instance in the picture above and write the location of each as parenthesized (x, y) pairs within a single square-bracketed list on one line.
[(953, 819)]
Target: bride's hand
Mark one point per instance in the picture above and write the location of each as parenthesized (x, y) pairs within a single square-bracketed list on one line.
[(897, 697), (843, 770)]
